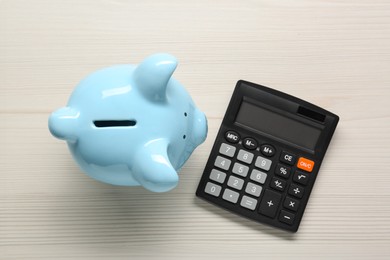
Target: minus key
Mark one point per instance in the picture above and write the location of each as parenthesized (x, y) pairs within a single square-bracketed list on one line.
[(286, 217)]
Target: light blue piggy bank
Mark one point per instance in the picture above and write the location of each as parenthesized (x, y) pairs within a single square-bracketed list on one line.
[(132, 125)]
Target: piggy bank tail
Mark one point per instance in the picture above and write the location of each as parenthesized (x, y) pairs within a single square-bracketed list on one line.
[(63, 123)]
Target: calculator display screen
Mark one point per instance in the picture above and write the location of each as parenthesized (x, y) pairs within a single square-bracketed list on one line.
[(276, 125)]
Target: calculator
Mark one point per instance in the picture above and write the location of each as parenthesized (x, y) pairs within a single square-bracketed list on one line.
[(267, 155)]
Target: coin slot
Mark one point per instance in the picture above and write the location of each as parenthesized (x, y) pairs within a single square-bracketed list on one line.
[(114, 123)]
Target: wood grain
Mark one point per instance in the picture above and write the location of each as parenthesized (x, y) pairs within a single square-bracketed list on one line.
[(334, 53)]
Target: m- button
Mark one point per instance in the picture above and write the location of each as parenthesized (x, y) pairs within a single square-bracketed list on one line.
[(250, 143)]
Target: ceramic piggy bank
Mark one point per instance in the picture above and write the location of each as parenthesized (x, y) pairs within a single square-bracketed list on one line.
[(132, 125)]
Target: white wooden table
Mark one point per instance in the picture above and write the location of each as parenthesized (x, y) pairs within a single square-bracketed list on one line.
[(333, 53)]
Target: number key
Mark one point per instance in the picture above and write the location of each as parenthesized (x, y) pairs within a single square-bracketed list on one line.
[(245, 156), (217, 176), (240, 169), (222, 163), (227, 150), (263, 163), (258, 176), (253, 189), (235, 182), (213, 189)]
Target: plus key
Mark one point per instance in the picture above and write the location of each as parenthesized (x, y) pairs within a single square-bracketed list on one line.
[(270, 203)]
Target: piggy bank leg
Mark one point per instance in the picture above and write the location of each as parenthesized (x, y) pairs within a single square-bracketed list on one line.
[(152, 168)]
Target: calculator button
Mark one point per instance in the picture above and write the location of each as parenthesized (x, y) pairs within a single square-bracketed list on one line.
[(267, 150), (288, 158), (296, 191), (232, 137), (222, 163), (245, 156), (291, 204), (212, 189), (301, 177), (263, 163), (286, 217), (249, 143), (253, 189), (240, 169), (278, 184), (282, 170), (217, 176), (269, 204), (248, 202), (235, 182), (258, 176), (230, 195), (227, 150), (305, 164)]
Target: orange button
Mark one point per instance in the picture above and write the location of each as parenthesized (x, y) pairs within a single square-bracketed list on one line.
[(305, 164)]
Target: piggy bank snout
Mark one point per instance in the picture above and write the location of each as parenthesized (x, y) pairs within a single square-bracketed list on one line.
[(200, 127)]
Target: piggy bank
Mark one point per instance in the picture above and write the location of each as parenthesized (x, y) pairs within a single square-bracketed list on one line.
[(132, 125)]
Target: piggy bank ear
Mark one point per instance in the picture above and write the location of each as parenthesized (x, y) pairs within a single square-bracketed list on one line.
[(152, 75), (63, 123)]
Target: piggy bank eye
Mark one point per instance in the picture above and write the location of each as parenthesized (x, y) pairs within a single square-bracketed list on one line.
[(185, 114), (114, 123)]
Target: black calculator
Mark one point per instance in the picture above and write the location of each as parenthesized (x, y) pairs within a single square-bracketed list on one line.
[(267, 155)]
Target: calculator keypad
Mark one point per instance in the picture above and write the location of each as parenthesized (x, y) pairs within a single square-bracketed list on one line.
[(242, 176)]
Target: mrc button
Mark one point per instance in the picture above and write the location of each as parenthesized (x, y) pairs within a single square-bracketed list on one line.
[(232, 137), (288, 158), (305, 164)]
